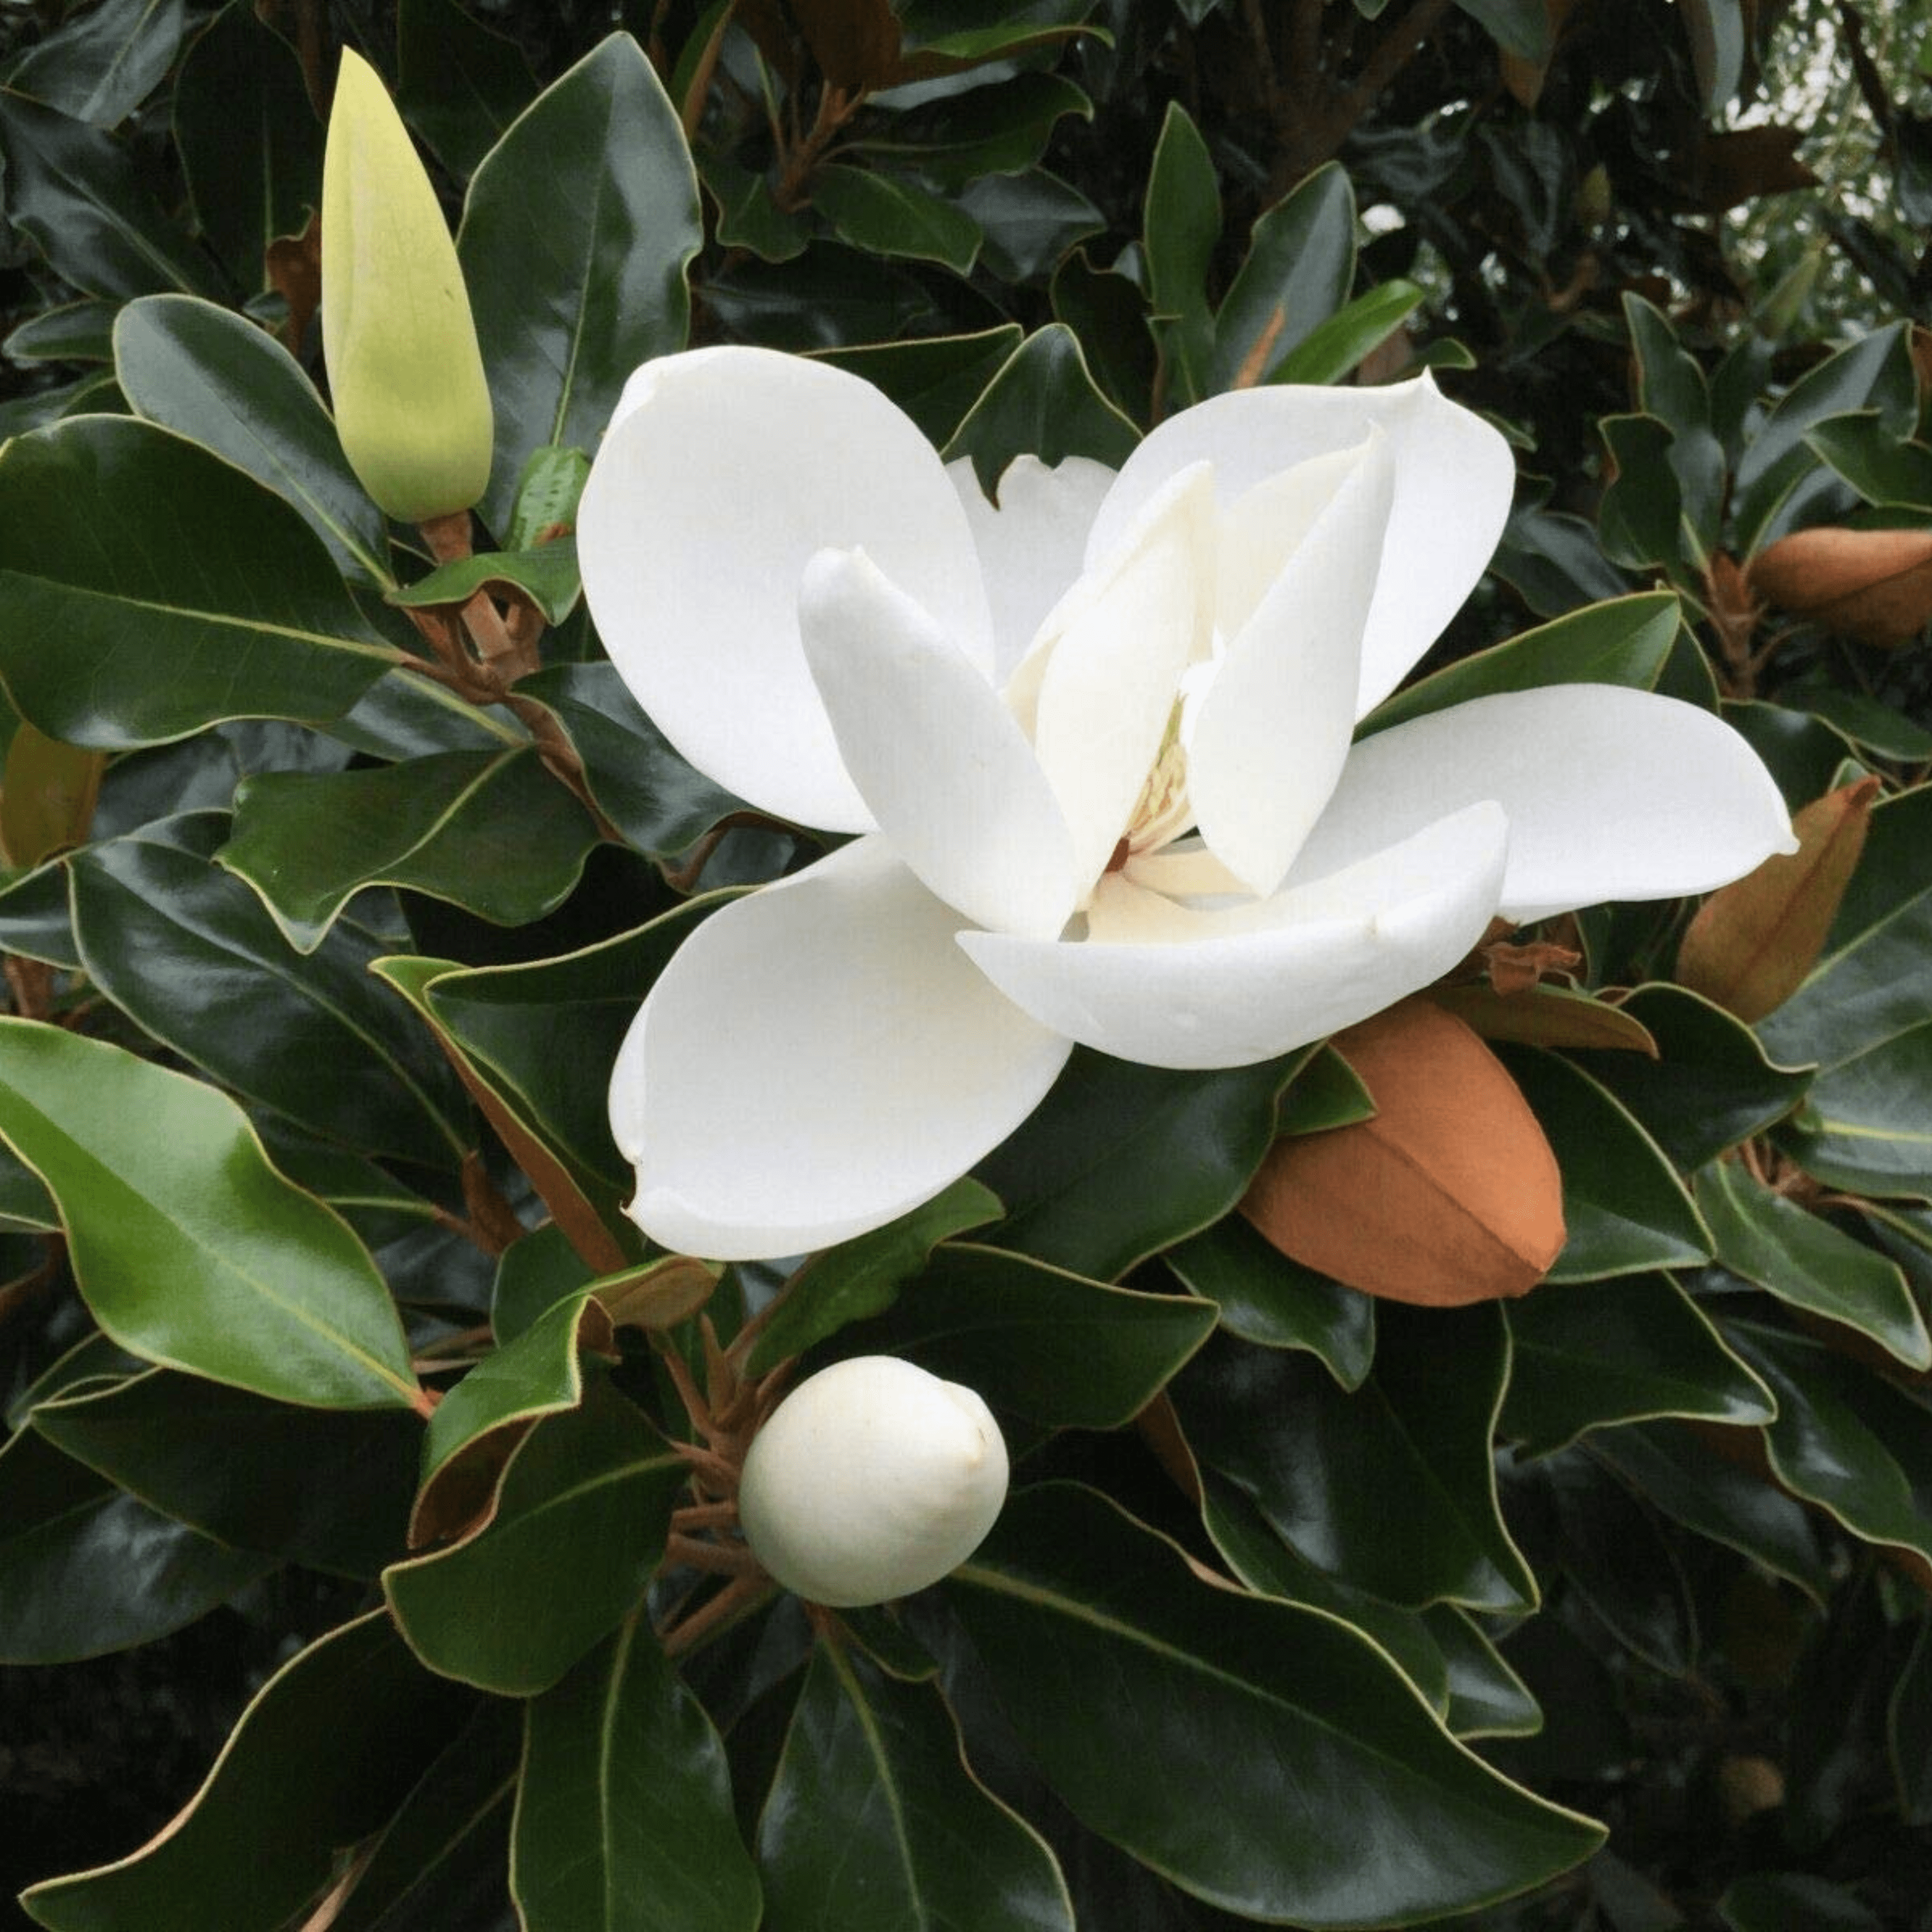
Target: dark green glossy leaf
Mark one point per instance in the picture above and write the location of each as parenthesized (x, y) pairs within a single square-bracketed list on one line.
[(35, 916), (1878, 465), (623, 1820), (1333, 350), (100, 65), (1711, 1085), (1671, 387), (1322, 1464), (661, 804), (1120, 1160), (1487, 1698), (1872, 727), (1042, 403), (1625, 641), (1845, 1438), (459, 83), (190, 953), (478, 1422), (250, 143), (1028, 222), (491, 831), (1052, 1347), (1864, 1125), (322, 1756), (215, 601), (1107, 311), (949, 36), (875, 1823), (862, 1277), (1519, 27), (1908, 1731), (1553, 559), (190, 1250), (935, 381), (549, 489), (1590, 1354), (1640, 520), (84, 1570), (219, 381), (439, 1865), (579, 227), (888, 214), (1181, 225), (1874, 374), (830, 296), (1300, 1777), (1612, 1550), (1679, 1470), (81, 331), (1809, 1264), (84, 200), (1263, 1297), (1268, 1567), (533, 1275), (1764, 1901), (325, 1488), (579, 1526), (1325, 1093), (1300, 262), (1626, 1210), (987, 132)]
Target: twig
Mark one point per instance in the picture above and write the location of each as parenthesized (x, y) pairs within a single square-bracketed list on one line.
[(738, 1595)]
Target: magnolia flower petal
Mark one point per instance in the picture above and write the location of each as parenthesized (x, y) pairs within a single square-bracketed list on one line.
[(1032, 544), (817, 1060), (1611, 794), (1454, 478), (724, 471), (1181, 988), (939, 760), (1272, 733), (1110, 670)]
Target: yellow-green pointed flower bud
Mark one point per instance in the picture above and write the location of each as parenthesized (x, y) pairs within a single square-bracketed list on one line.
[(411, 406)]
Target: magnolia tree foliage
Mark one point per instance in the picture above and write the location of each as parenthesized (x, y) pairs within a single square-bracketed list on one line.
[(922, 1016)]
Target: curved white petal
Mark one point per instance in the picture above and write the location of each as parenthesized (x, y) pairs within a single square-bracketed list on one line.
[(1201, 989), (1110, 666), (1611, 794), (940, 761), (1032, 544), (1454, 478), (1269, 740), (723, 471), (818, 1059)]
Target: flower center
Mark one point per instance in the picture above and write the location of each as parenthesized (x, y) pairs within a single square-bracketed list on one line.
[(1162, 812)]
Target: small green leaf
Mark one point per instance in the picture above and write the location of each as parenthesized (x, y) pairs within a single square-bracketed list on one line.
[(887, 215), (875, 1822), (1052, 1347), (1300, 262), (100, 65), (623, 1818), (1299, 1777), (1029, 222), (1264, 1297), (1331, 350), (1588, 1354), (1042, 403), (548, 491), (1807, 1263), (1487, 1698), (491, 831), (546, 575), (1863, 1126), (322, 1755), (579, 1526), (863, 1276), (1626, 1210), (190, 1250), (1181, 226)]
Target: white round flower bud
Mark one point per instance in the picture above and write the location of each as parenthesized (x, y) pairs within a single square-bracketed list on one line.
[(872, 1480)]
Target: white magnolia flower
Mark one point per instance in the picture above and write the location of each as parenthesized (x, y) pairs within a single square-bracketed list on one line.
[(870, 1481), (1099, 741)]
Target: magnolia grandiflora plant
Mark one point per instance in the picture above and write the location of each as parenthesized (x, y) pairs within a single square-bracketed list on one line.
[(872, 1480), (411, 404), (1097, 738)]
